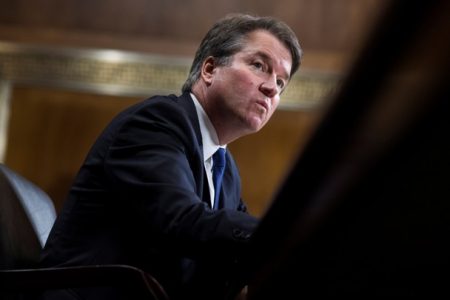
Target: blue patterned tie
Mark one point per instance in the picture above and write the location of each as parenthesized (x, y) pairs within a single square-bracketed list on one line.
[(218, 168)]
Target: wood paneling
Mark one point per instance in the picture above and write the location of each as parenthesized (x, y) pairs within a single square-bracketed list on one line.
[(51, 131), (177, 26)]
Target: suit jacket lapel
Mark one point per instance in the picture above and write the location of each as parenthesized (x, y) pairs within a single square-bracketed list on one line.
[(188, 105)]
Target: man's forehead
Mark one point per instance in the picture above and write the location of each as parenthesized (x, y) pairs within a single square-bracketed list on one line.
[(267, 42)]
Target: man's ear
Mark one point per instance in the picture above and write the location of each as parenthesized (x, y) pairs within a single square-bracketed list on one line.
[(208, 69)]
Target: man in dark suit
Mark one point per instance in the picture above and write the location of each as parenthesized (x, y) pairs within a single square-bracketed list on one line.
[(146, 195)]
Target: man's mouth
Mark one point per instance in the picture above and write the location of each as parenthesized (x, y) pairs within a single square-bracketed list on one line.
[(263, 104)]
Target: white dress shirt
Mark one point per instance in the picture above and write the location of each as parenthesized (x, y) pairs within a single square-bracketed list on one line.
[(210, 143)]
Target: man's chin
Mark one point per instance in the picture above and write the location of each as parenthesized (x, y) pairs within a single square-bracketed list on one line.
[(256, 125)]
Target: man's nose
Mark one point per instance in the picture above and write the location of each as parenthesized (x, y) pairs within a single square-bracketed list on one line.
[(269, 87)]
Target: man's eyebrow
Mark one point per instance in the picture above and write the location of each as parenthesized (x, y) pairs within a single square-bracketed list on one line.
[(263, 55)]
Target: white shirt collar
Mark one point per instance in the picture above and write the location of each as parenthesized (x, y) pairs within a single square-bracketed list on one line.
[(209, 134)]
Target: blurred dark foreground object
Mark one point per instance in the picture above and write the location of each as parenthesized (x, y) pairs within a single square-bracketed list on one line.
[(365, 210)]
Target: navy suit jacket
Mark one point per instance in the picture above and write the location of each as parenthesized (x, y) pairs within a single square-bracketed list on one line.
[(142, 198)]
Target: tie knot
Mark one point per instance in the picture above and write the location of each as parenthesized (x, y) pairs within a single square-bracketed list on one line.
[(219, 158)]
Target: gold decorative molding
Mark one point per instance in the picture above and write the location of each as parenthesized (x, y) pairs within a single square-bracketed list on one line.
[(5, 92), (125, 73)]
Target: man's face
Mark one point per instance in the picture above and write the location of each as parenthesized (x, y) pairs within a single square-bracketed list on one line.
[(247, 91)]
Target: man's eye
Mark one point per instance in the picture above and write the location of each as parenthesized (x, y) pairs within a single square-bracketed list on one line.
[(258, 65), (280, 84)]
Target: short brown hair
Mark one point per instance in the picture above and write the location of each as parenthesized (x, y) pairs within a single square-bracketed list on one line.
[(228, 35)]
